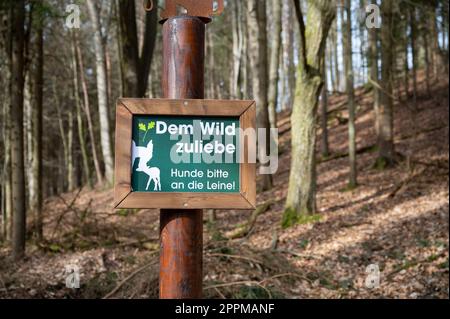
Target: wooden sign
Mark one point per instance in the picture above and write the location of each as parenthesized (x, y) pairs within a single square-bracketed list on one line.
[(185, 154)]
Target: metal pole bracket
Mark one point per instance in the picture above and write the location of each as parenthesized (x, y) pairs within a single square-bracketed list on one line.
[(204, 9)]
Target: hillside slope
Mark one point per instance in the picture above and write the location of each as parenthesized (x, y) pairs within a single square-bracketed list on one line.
[(397, 219)]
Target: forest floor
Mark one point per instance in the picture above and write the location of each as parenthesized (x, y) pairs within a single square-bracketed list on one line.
[(397, 219)]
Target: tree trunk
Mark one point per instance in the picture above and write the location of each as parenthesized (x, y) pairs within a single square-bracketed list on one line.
[(375, 75), (256, 21), (324, 117), (37, 118), (348, 62), (413, 27), (337, 73), (62, 133), (17, 151), (238, 43), (6, 174), (102, 94), (386, 156), (330, 65), (406, 62), (135, 65), (7, 181), (288, 55), (70, 163), (80, 126), (275, 45), (87, 110), (211, 86), (245, 86), (28, 136), (301, 198), (425, 34), (435, 50)]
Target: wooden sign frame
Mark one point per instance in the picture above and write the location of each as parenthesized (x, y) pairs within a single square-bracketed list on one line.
[(124, 197)]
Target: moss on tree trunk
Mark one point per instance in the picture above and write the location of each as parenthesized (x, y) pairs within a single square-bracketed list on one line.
[(301, 198), (302, 180)]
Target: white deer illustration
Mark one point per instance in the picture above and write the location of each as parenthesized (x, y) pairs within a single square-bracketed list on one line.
[(145, 154)]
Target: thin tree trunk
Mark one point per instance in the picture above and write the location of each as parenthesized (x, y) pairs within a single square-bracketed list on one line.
[(62, 133), (435, 50), (337, 73), (102, 94), (425, 33), (288, 55), (28, 137), (6, 176), (406, 62), (256, 21), (324, 117), (348, 61), (87, 110), (386, 156), (238, 43), (412, 21), (330, 65), (17, 151), (80, 126), (69, 163), (37, 119), (245, 46), (375, 75), (275, 46)]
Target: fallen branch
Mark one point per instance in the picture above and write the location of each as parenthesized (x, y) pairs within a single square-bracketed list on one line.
[(244, 229)]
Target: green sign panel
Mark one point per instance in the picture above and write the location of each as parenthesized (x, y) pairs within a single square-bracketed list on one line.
[(185, 154)]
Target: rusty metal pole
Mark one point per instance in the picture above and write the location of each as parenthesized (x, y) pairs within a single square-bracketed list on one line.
[(181, 231)]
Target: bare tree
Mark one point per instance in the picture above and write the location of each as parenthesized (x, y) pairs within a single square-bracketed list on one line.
[(348, 64), (102, 92), (386, 156), (288, 74), (256, 21), (236, 8), (17, 143), (324, 116), (79, 118), (87, 110), (37, 119), (275, 45)]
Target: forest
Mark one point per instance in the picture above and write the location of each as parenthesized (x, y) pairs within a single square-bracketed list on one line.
[(357, 91)]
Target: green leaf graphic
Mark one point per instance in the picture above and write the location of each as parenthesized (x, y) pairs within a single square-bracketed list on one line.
[(151, 125), (142, 127)]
